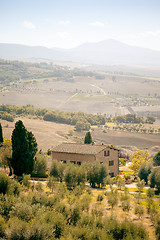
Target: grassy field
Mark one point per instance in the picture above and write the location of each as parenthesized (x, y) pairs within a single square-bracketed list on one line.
[(91, 98)]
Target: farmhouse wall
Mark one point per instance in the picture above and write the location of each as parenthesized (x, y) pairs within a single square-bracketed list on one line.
[(113, 156), (73, 157)]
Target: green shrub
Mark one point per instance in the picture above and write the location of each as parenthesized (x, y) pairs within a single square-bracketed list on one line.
[(2, 227), (17, 229), (22, 211), (26, 179), (39, 187), (4, 183), (6, 204), (99, 198), (40, 164), (14, 188)]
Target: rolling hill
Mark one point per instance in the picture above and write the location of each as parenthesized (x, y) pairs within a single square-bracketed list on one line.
[(108, 52)]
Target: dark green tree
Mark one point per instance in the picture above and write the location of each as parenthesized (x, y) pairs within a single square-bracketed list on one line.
[(1, 134), (24, 148), (145, 170), (88, 138), (156, 159)]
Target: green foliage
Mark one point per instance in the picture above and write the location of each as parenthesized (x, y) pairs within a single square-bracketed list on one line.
[(51, 182), (156, 159), (39, 187), (139, 210), (2, 227), (125, 200), (22, 210), (140, 184), (96, 174), (150, 192), (119, 181), (49, 152), (17, 229), (24, 148), (4, 183), (40, 164), (154, 178), (57, 170), (112, 198), (6, 153), (150, 119), (26, 180), (74, 176), (128, 118), (80, 126), (88, 138), (99, 198), (6, 116), (145, 170), (1, 134)]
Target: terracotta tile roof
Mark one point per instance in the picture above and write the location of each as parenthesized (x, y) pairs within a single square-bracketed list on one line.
[(79, 148)]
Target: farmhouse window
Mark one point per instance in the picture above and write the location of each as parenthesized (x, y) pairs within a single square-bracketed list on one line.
[(111, 174), (74, 162), (106, 153), (111, 163)]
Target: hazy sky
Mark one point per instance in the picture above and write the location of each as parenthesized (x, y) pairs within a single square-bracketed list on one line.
[(68, 23)]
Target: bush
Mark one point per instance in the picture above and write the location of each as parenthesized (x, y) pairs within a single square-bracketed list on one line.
[(15, 187), (139, 210), (17, 229), (4, 183), (26, 179), (99, 198), (40, 164), (2, 227), (6, 204), (22, 210)]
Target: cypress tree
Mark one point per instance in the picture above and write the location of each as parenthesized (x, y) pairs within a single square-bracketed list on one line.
[(1, 134), (88, 138), (24, 148)]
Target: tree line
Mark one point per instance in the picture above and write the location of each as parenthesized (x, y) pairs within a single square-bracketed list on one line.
[(13, 71), (82, 121), (132, 118)]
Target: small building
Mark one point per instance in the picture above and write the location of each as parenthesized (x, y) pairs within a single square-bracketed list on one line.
[(87, 153)]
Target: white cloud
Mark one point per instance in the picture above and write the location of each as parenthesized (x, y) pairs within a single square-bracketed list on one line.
[(147, 34), (29, 25), (96, 24), (63, 34), (64, 22)]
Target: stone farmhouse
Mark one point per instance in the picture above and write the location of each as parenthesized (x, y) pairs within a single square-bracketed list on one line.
[(88, 153)]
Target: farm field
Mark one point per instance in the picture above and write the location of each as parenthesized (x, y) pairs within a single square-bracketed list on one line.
[(50, 134), (109, 93)]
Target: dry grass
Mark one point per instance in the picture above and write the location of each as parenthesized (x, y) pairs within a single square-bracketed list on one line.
[(47, 134)]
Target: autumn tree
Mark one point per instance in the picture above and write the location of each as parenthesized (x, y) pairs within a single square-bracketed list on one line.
[(137, 158), (24, 148)]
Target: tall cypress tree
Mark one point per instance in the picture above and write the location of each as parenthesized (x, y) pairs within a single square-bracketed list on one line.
[(1, 134), (24, 148), (88, 138)]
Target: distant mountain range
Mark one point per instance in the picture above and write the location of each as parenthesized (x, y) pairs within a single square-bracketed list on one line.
[(108, 52)]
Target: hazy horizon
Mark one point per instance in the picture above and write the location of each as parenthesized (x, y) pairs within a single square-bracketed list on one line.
[(67, 24)]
